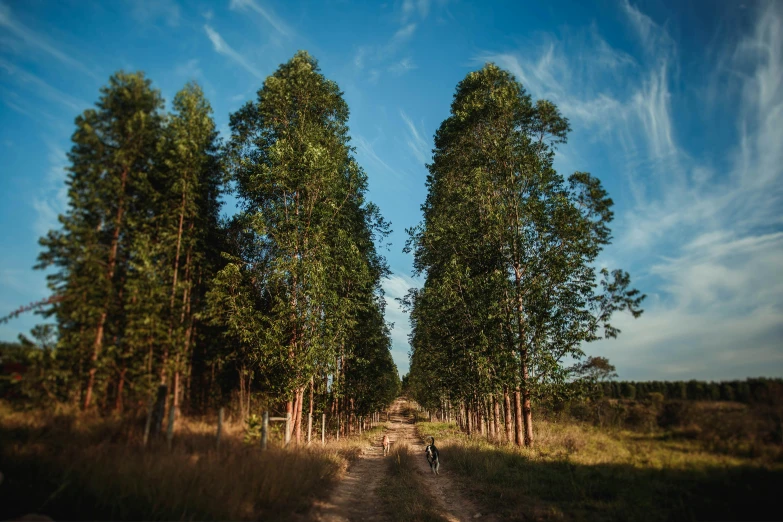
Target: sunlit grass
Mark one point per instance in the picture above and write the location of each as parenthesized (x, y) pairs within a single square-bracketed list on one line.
[(578, 471)]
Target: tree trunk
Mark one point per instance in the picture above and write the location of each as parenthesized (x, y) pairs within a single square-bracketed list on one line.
[(517, 417), (496, 417), (526, 411), (120, 387), (507, 420), (299, 399), (112, 262)]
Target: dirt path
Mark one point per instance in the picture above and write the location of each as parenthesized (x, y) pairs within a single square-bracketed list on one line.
[(354, 497)]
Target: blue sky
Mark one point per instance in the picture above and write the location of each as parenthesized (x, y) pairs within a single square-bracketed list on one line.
[(677, 108)]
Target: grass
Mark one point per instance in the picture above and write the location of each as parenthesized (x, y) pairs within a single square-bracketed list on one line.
[(401, 491), (70, 467), (581, 472)]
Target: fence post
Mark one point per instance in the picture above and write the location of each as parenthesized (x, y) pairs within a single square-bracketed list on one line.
[(309, 427), (360, 425), (287, 428), (170, 427), (219, 427), (323, 429), (338, 426), (264, 429)]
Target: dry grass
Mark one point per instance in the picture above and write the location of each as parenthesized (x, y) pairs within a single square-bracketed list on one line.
[(580, 472), (75, 467), (401, 491)]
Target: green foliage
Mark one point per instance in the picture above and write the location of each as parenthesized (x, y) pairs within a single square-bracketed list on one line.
[(507, 247)]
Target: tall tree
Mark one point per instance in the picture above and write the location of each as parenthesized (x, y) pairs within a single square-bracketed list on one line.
[(110, 184), (306, 261), (500, 218)]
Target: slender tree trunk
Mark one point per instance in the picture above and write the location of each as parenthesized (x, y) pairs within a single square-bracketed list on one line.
[(298, 415), (496, 416), (507, 420), (120, 387), (289, 409), (112, 262), (526, 410), (175, 392), (518, 417)]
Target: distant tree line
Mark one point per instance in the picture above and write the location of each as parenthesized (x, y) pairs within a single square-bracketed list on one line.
[(281, 302), (750, 391)]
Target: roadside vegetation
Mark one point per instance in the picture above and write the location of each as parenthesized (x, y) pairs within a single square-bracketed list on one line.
[(687, 470), (73, 467)]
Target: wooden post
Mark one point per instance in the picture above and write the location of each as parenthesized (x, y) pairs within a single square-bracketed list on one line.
[(309, 427), (338, 426), (323, 429), (360, 425), (170, 427), (219, 427), (287, 428), (264, 429)]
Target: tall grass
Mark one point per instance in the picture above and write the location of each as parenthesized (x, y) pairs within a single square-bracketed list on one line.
[(401, 491), (580, 472), (73, 467)]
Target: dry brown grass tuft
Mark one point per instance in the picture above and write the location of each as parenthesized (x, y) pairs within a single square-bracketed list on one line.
[(71, 466)]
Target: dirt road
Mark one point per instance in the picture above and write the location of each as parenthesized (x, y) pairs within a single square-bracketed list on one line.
[(354, 498)]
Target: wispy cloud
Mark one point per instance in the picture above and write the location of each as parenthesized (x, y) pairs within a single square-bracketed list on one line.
[(36, 41), (53, 198), (702, 233), (221, 47), (404, 33), (418, 145), (395, 287), (366, 150), (189, 69), (401, 67), (148, 11), (25, 78), (721, 296), (278, 24)]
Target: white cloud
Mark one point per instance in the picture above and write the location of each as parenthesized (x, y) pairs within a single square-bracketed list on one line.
[(366, 151), (150, 11), (702, 233), (221, 47), (418, 145), (37, 41), (404, 33), (269, 15), (401, 67), (189, 69), (53, 197), (395, 287)]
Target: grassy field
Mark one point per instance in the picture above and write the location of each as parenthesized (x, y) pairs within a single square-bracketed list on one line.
[(583, 472), (71, 467)]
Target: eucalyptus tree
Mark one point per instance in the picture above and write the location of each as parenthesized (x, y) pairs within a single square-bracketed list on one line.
[(189, 223), (111, 168), (525, 235), (303, 208)]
